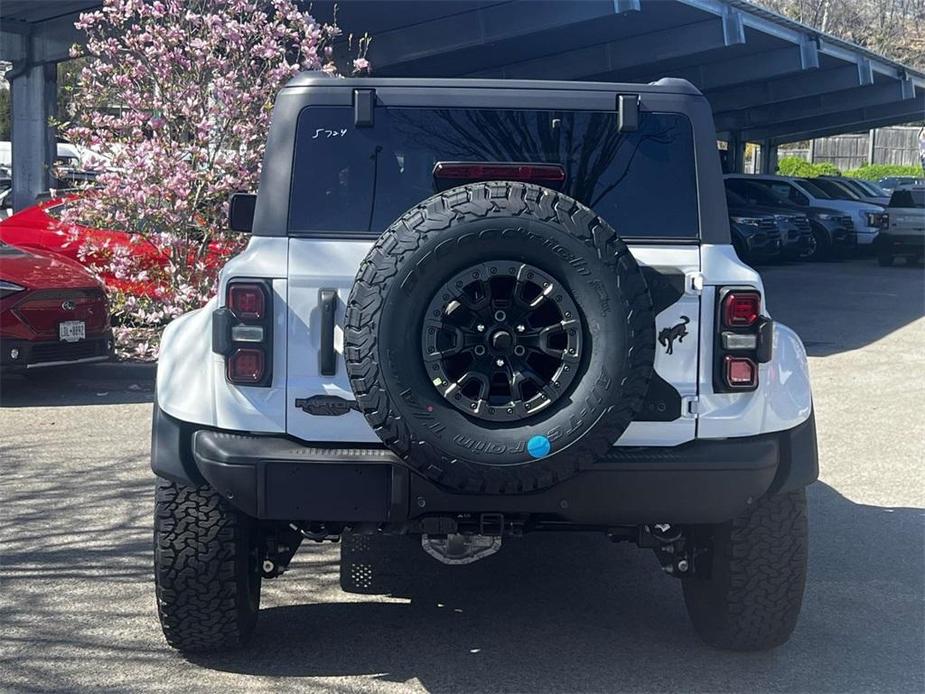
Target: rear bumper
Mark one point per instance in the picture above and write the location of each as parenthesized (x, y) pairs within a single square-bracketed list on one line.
[(273, 477), (900, 244), (21, 355)]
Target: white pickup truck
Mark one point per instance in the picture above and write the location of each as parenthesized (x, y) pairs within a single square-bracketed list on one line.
[(903, 226)]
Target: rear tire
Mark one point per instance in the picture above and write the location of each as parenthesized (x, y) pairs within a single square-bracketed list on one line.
[(749, 589), (206, 569)]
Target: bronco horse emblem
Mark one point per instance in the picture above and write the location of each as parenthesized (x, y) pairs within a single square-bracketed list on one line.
[(667, 336)]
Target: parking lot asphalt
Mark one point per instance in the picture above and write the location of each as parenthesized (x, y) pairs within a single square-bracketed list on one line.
[(548, 613)]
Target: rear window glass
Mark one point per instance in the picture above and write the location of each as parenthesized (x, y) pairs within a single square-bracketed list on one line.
[(814, 190), (359, 180), (908, 198), (831, 188)]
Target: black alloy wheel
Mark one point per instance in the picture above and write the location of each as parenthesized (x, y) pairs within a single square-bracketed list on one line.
[(502, 340)]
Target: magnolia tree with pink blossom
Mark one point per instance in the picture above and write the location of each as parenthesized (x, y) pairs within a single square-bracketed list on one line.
[(174, 102)]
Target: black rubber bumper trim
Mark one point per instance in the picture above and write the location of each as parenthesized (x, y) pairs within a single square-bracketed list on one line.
[(799, 458), (171, 453), (900, 242), (707, 481)]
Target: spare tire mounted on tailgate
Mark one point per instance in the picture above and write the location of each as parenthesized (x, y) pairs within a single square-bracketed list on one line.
[(498, 337)]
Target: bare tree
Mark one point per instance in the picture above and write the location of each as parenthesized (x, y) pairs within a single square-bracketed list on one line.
[(894, 28)]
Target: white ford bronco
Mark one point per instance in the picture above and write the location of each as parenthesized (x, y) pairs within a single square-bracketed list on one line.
[(474, 309)]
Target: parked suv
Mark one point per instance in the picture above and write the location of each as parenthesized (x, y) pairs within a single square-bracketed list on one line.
[(805, 192), (832, 230), (767, 232), (903, 232), (475, 309), (858, 189), (891, 183)]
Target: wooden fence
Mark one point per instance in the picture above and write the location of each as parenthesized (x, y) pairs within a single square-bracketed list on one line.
[(895, 145)]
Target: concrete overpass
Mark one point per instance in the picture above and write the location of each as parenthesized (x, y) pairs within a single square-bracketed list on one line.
[(770, 80)]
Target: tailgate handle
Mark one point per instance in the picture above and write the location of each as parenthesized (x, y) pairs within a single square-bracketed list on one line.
[(327, 358)]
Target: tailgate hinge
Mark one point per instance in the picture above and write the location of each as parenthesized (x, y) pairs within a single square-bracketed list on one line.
[(690, 406), (693, 283)]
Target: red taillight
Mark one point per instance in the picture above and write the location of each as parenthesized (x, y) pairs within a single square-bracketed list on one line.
[(740, 372), (741, 309), (246, 301), (246, 365), (470, 171), (242, 332), (744, 339)]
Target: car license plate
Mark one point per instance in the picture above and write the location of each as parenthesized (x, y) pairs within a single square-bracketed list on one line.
[(72, 330)]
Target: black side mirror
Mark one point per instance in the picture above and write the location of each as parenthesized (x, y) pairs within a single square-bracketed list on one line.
[(241, 212)]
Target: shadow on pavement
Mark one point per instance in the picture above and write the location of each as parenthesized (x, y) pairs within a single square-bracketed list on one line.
[(842, 306), (88, 384), (550, 613)]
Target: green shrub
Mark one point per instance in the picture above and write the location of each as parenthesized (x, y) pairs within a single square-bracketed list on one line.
[(794, 166), (874, 172)]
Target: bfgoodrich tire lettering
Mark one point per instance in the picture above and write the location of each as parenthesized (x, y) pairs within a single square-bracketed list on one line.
[(459, 229), (206, 569), (748, 593)]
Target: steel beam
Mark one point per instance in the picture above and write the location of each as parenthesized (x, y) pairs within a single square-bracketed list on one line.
[(484, 29), (808, 83), (735, 147), (634, 52), (43, 42), (853, 120), (744, 69), (33, 91), (815, 106), (733, 26), (768, 153)]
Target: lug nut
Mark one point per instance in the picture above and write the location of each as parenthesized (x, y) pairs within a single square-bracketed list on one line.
[(499, 362), (268, 566), (683, 566)]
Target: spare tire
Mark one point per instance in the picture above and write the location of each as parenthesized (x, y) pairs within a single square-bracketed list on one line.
[(499, 336)]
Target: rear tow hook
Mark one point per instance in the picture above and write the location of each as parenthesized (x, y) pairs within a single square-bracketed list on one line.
[(672, 548)]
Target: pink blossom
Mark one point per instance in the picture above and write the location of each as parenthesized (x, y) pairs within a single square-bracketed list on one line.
[(175, 103)]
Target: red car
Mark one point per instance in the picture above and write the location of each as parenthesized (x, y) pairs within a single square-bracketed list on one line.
[(38, 227), (52, 311)]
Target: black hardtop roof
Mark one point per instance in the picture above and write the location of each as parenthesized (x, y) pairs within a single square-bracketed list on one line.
[(666, 85)]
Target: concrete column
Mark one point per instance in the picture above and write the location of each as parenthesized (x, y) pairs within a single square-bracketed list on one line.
[(768, 158), (736, 153), (33, 89), (871, 145)]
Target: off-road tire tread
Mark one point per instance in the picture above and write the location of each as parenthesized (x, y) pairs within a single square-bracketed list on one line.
[(201, 593), (753, 599), (404, 237)]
